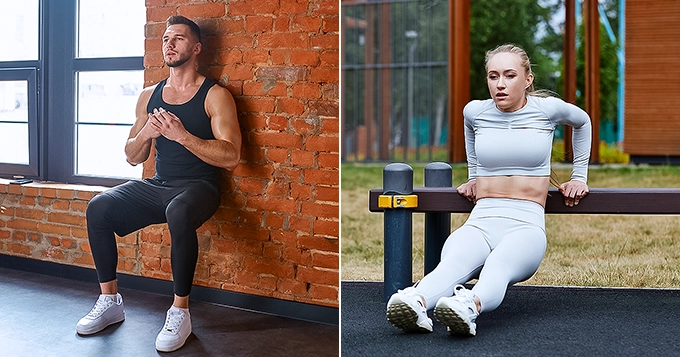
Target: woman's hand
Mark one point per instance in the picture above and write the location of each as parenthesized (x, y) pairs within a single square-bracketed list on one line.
[(469, 190), (573, 191)]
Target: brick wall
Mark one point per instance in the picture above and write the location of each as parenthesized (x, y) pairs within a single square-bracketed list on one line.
[(276, 232)]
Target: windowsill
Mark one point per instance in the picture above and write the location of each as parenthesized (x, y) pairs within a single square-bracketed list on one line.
[(52, 189)]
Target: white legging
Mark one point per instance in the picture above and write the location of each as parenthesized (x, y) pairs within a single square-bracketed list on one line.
[(502, 242)]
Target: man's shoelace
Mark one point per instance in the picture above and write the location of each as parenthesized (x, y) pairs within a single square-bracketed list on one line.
[(172, 322), (99, 307)]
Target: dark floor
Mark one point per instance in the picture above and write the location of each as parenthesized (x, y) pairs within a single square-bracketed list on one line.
[(38, 315), (532, 321)]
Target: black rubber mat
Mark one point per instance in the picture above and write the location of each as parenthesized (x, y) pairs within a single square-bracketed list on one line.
[(531, 321)]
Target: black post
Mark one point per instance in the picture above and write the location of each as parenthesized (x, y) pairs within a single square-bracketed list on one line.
[(437, 225), (397, 179)]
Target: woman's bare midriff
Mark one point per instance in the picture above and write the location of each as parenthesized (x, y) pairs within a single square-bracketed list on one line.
[(531, 188)]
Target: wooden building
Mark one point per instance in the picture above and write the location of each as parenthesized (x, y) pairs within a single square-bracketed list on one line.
[(652, 90)]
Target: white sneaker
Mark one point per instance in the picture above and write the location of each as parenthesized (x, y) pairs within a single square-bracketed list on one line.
[(406, 310), (458, 312), (176, 330), (108, 310)]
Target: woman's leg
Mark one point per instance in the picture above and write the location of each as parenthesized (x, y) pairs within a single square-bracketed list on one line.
[(516, 258), (462, 258)]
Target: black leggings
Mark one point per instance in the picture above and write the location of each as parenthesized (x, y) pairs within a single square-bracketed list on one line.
[(184, 205)]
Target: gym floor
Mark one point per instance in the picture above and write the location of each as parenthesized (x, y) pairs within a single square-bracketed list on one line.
[(38, 315)]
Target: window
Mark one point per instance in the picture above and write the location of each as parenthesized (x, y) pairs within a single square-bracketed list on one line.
[(68, 92), (19, 64)]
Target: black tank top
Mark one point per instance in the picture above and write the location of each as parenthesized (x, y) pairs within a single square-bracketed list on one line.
[(174, 161)]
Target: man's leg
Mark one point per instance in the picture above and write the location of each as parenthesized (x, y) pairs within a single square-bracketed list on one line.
[(122, 209), (186, 212)]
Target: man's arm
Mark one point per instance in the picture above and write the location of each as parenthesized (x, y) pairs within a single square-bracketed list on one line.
[(225, 150), (138, 145)]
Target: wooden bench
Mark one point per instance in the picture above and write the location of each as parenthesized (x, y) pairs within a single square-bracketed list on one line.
[(442, 201)]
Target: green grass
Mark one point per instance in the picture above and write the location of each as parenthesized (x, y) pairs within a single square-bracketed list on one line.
[(587, 250)]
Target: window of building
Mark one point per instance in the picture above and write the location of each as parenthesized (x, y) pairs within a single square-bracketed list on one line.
[(68, 91)]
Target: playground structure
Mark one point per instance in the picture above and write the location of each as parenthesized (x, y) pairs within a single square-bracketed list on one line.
[(398, 200)]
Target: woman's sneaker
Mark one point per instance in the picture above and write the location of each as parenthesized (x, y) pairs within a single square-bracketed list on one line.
[(458, 312), (406, 310), (176, 330), (108, 310)]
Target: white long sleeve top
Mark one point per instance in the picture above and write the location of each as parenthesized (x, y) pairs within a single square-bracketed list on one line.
[(520, 143)]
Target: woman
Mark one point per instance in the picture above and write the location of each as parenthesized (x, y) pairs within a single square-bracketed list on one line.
[(508, 141)]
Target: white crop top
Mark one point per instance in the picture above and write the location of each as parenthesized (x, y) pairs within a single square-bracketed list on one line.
[(520, 143)]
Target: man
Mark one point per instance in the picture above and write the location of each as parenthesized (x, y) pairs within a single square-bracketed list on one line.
[(194, 126)]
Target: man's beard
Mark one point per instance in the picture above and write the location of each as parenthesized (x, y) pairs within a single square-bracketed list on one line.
[(183, 58)]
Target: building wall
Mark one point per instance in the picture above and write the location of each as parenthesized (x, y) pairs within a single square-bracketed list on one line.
[(276, 232), (652, 124)]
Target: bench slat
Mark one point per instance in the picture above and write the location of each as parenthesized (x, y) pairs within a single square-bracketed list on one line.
[(598, 201)]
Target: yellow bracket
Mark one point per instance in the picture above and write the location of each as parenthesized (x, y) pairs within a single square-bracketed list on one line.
[(397, 201)]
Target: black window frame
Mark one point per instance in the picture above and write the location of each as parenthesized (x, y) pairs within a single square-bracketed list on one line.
[(53, 91)]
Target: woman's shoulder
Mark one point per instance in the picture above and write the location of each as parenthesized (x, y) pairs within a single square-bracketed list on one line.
[(474, 107)]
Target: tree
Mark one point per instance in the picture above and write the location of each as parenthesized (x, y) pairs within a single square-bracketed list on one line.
[(524, 23)]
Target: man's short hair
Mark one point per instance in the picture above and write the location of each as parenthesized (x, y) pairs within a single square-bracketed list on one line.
[(181, 20)]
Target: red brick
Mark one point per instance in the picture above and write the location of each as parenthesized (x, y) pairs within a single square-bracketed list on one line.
[(229, 56), (231, 25), (258, 105), (283, 40), (327, 160), (294, 7), (272, 251), (273, 220), (159, 13), (259, 24), (330, 59), (326, 260), (266, 266), (237, 8), (206, 10), (256, 56), (267, 282), (330, 24), (278, 122), (306, 90), (319, 276), (322, 143), (319, 243), (289, 106), (301, 191), (320, 210), (273, 204), (292, 287), (286, 74), (306, 24), (30, 214), (302, 158), (326, 7), (66, 218), (325, 193), (324, 74), (23, 224), (246, 278), (276, 139), (253, 170), (325, 177), (18, 248), (301, 224), (326, 42), (323, 292), (277, 155), (253, 186)]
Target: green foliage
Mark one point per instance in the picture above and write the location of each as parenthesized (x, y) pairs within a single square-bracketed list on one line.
[(497, 22)]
